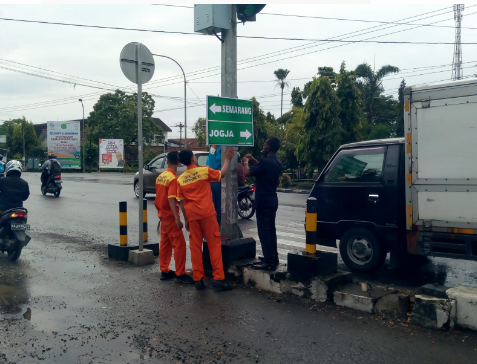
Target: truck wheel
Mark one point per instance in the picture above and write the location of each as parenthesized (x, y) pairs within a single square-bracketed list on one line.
[(361, 251)]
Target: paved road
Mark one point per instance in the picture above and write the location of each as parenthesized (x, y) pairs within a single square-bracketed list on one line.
[(92, 202)]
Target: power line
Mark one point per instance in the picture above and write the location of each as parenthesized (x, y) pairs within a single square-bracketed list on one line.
[(362, 20), (195, 95), (332, 18), (293, 49), (342, 45), (238, 36)]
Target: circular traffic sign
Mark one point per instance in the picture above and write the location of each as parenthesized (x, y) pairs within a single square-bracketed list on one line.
[(128, 62)]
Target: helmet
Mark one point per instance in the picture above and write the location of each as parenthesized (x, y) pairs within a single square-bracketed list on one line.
[(13, 166), (52, 156)]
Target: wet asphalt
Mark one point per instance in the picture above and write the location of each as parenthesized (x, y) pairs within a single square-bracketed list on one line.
[(64, 301)]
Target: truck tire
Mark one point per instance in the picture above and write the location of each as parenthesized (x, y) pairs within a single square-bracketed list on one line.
[(361, 251)]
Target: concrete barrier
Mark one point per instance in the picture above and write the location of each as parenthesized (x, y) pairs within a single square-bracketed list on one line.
[(466, 306)]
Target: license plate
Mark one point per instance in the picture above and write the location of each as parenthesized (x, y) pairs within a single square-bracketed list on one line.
[(58, 182), (20, 227)]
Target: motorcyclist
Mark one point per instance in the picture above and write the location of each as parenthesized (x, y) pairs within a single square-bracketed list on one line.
[(50, 167), (13, 189)]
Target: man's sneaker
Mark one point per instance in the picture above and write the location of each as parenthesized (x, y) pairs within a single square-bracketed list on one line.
[(221, 285), (184, 279), (199, 285), (169, 275)]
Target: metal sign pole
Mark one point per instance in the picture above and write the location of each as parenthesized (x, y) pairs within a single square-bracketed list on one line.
[(139, 143)]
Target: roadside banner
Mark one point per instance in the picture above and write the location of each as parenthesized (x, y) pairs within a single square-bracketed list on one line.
[(64, 141), (111, 153)]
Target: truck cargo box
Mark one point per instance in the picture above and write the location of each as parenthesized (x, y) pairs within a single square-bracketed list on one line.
[(441, 157)]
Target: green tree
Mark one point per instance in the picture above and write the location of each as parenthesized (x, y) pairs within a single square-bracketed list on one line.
[(270, 117), (328, 72), (350, 109), (294, 130), (281, 75), (285, 118), (199, 131), (400, 118), (322, 127), (115, 116), (296, 97), (16, 130), (370, 83)]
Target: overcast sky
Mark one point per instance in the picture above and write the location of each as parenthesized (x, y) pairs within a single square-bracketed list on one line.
[(93, 54)]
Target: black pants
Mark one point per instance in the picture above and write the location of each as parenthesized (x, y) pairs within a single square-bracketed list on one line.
[(267, 232), (44, 178)]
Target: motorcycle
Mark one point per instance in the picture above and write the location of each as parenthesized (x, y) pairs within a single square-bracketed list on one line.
[(13, 227), (53, 185), (245, 198)]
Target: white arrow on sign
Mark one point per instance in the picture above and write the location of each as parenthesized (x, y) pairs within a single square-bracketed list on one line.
[(245, 134), (214, 108)]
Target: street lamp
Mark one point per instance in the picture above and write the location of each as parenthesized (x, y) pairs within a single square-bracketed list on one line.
[(81, 139), (185, 97)]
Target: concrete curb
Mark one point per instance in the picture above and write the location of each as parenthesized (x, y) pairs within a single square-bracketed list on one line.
[(435, 307), (289, 190)]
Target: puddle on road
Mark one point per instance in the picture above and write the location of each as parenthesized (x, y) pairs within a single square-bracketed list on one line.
[(14, 291)]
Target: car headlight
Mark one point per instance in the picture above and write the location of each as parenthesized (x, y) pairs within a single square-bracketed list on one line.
[(137, 172)]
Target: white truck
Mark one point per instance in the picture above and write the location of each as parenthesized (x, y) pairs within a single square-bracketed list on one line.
[(415, 195)]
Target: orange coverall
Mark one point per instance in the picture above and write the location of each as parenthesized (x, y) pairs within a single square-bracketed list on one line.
[(193, 186), (171, 235)]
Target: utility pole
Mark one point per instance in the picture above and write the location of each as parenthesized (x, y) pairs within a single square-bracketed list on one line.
[(457, 71), (229, 228), (180, 126), (24, 155)]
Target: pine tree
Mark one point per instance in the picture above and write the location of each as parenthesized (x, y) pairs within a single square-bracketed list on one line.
[(400, 119), (351, 114), (322, 126)]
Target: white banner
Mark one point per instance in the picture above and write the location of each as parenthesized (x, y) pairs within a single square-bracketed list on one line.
[(64, 142), (111, 153)]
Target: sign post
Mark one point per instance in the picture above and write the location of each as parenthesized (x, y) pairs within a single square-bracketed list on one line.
[(229, 121), (137, 64)]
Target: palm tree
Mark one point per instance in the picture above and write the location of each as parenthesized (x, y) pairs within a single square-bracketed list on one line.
[(371, 83), (281, 75)]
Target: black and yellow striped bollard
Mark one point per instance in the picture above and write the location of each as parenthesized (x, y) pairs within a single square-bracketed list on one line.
[(144, 220), (311, 224), (123, 223)]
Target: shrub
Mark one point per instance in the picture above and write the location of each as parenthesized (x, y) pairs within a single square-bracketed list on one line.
[(285, 181), (304, 185)]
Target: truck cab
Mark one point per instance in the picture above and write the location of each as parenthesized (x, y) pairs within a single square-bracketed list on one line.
[(360, 196)]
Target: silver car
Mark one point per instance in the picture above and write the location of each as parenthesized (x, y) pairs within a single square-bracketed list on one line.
[(158, 165)]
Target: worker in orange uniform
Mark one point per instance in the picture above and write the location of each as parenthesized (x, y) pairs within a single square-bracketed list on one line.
[(171, 225), (195, 199)]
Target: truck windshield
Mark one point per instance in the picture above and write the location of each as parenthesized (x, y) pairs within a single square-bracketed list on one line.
[(357, 165)]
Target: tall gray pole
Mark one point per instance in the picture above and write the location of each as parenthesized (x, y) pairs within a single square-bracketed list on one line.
[(139, 142), (229, 228), (83, 154)]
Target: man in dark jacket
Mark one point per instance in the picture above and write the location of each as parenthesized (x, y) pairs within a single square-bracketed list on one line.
[(13, 189), (50, 167), (267, 173)]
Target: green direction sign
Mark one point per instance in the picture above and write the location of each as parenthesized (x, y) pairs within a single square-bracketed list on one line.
[(229, 121)]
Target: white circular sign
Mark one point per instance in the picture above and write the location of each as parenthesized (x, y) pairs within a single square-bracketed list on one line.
[(128, 62)]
